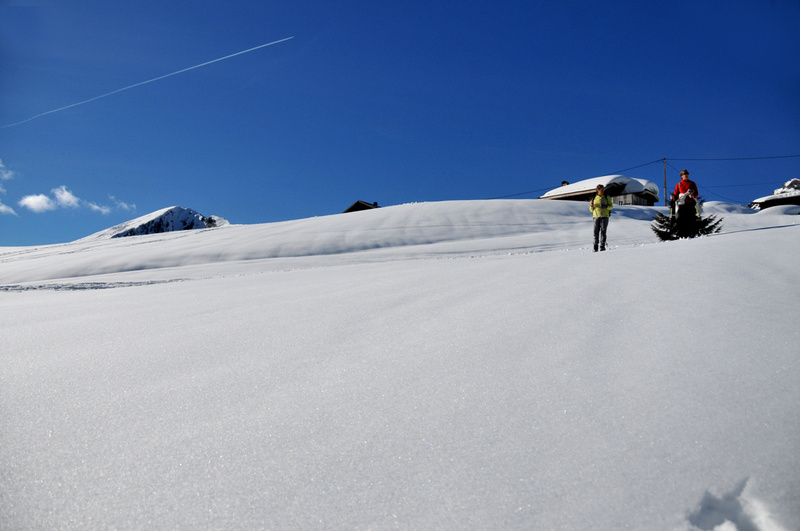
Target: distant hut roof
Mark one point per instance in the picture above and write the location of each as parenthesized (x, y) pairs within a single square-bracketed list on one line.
[(789, 194), (361, 205), (785, 198)]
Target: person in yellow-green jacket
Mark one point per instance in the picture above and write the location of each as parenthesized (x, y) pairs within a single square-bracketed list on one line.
[(600, 206)]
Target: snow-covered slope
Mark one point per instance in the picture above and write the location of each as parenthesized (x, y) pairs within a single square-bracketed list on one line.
[(453, 228), (429, 366)]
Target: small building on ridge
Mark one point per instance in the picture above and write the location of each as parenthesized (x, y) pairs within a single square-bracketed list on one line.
[(361, 205), (622, 190), (789, 194)]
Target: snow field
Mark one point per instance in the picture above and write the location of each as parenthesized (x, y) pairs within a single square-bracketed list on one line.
[(417, 379)]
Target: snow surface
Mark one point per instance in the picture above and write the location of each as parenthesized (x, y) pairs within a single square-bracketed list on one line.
[(425, 366)]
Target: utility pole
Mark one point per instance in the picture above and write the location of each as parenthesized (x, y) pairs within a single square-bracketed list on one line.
[(665, 182)]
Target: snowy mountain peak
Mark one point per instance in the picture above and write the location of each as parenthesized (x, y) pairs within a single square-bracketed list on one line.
[(165, 220)]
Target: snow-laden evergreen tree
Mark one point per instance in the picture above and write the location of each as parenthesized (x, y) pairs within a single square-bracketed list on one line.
[(674, 227)]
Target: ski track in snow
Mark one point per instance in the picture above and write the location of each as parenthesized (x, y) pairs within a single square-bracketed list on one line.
[(79, 286)]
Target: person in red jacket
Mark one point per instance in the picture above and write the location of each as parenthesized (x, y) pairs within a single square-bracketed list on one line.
[(685, 196)]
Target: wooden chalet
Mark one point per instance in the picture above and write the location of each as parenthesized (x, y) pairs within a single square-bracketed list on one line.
[(788, 195), (621, 189)]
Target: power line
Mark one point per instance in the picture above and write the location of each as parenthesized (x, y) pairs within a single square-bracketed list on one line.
[(670, 165), (748, 184), (550, 188), (639, 166), (742, 158), (667, 160), (705, 188), (522, 193)]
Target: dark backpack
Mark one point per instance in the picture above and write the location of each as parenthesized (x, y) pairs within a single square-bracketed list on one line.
[(605, 201)]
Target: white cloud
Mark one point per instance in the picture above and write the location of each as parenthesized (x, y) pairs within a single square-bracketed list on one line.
[(5, 209), (65, 198), (5, 174), (38, 203), (121, 205), (99, 208), (61, 198)]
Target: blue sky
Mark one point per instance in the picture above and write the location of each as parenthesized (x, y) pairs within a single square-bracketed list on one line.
[(392, 102)]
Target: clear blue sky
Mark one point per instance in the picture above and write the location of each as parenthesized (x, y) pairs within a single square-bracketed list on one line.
[(392, 102)]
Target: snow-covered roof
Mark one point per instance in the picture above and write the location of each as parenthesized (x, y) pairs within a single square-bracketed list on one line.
[(646, 186), (777, 196), (628, 185), (790, 189)]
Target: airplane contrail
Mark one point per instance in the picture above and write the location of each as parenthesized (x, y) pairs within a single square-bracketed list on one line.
[(146, 82)]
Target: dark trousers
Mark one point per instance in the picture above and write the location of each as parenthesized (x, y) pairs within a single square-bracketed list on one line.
[(600, 229), (686, 222)]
